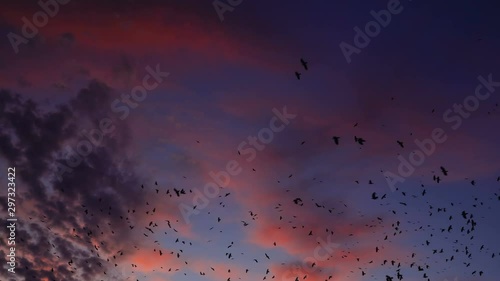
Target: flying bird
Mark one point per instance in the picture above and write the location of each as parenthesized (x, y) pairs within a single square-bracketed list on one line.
[(297, 74), (304, 63), (444, 171), (361, 141)]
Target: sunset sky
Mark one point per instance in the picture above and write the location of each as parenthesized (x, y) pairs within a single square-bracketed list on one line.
[(215, 85)]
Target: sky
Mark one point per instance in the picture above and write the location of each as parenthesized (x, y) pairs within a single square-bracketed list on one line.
[(174, 140)]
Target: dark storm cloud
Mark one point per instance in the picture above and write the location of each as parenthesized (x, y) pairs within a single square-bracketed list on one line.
[(54, 215)]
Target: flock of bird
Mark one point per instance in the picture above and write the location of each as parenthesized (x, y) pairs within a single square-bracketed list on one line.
[(429, 258), (461, 227)]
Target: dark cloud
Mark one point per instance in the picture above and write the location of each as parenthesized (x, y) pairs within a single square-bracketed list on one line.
[(55, 228)]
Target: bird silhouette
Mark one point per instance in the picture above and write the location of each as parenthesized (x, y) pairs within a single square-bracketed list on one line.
[(304, 63), (297, 74)]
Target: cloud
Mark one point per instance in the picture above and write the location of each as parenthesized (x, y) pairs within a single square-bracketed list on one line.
[(85, 217)]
